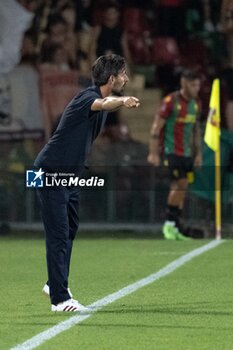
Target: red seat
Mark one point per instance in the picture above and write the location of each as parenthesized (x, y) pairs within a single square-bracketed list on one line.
[(140, 51), (165, 51), (134, 20), (196, 52), (98, 16)]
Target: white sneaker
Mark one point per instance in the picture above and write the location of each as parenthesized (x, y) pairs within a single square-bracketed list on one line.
[(45, 290), (69, 305)]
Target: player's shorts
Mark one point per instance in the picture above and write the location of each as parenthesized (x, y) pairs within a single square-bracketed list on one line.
[(179, 167)]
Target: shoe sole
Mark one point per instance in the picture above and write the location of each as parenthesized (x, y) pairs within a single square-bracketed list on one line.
[(87, 311), (169, 236), (183, 239)]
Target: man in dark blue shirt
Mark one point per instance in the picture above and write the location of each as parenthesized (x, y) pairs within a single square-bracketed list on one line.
[(67, 150)]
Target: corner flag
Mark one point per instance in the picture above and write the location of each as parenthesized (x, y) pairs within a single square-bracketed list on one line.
[(212, 138), (212, 132)]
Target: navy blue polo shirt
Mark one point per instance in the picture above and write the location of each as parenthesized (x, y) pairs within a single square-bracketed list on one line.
[(78, 128)]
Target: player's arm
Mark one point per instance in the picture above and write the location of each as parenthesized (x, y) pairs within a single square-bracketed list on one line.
[(157, 126), (112, 103), (197, 144)]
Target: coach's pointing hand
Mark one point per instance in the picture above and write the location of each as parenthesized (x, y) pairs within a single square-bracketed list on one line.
[(131, 102)]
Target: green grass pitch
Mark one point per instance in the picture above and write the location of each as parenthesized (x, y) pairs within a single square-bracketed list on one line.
[(190, 309)]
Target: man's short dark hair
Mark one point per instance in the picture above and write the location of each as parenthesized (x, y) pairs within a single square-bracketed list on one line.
[(105, 66), (190, 74), (112, 5), (54, 20)]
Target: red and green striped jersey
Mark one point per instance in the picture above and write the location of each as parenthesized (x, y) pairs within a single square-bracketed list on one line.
[(181, 116)]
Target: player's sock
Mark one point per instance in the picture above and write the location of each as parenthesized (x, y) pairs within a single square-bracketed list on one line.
[(173, 214)]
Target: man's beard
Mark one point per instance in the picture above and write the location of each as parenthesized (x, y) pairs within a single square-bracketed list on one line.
[(118, 93)]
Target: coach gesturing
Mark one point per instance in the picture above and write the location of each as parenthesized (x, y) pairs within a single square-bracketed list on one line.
[(80, 124)]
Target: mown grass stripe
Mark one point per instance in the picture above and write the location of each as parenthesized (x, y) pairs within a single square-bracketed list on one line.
[(50, 333)]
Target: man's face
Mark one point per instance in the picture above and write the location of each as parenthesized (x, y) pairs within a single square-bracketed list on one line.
[(58, 33), (111, 17), (191, 87), (119, 81)]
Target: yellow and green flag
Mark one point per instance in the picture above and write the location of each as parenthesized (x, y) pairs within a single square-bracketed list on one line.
[(212, 132)]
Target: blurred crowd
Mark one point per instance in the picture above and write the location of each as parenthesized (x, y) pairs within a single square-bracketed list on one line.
[(66, 35), (47, 48)]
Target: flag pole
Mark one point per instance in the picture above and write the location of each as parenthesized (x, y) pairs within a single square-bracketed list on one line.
[(218, 228), (212, 139)]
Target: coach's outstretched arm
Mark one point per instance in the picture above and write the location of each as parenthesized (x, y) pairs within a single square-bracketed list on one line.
[(113, 103)]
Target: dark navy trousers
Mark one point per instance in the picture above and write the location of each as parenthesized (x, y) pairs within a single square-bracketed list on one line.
[(59, 210)]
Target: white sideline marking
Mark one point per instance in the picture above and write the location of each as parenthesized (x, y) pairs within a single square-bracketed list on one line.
[(65, 325)]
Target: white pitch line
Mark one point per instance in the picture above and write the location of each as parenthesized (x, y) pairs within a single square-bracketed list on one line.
[(42, 337)]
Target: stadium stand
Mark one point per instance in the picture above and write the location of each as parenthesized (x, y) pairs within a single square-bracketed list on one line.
[(55, 64)]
